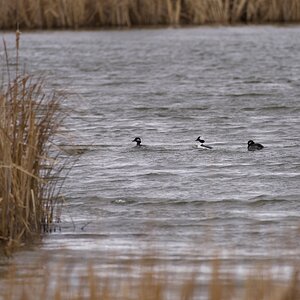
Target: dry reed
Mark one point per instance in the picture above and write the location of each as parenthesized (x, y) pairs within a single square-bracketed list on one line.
[(30, 168), (64, 282), (125, 13)]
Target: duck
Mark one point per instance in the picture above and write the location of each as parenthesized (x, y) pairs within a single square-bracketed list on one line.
[(138, 142), (202, 143), (199, 139), (254, 146)]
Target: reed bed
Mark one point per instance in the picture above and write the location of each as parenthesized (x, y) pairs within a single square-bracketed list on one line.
[(31, 167), (151, 283), (42, 14)]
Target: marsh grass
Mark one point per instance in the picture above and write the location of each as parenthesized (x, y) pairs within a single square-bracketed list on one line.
[(151, 283), (125, 13), (31, 167)]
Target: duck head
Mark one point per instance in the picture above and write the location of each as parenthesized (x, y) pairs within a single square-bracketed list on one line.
[(199, 139), (138, 141)]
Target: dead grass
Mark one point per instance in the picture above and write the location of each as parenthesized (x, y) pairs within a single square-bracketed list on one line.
[(30, 168), (125, 13), (62, 282)]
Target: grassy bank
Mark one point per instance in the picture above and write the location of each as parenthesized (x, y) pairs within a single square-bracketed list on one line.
[(143, 281), (42, 14), (30, 167)]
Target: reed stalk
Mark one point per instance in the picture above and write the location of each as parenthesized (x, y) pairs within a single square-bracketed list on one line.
[(152, 283), (30, 167), (77, 14)]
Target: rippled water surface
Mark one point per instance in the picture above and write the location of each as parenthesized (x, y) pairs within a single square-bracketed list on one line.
[(169, 86)]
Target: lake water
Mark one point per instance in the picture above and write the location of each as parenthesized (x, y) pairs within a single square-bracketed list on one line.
[(168, 86)]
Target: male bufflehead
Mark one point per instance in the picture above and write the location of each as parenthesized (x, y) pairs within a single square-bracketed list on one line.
[(254, 146), (202, 143), (138, 142), (199, 139)]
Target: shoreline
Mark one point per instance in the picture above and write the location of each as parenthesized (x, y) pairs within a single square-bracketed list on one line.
[(153, 27)]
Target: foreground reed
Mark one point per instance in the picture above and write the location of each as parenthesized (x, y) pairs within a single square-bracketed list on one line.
[(30, 168), (145, 283), (101, 13)]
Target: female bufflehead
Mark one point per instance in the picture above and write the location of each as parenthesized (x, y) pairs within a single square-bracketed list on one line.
[(202, 143), (138, 142), (254, 146)]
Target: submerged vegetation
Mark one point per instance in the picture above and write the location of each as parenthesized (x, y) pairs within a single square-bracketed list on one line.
[(30, 165), (41, 14)]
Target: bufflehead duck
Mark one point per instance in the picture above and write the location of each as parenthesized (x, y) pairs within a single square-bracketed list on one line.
[(199, 139), (254, 146), (138, 141), (202, 143)]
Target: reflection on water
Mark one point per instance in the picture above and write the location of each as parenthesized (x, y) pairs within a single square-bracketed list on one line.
[(228, 85)]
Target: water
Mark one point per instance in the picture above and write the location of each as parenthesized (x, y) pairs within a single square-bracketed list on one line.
[(227, 84)]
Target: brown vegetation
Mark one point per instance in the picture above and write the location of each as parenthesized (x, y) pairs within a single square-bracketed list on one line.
[(125, 13), (64, 282), (30, 167)]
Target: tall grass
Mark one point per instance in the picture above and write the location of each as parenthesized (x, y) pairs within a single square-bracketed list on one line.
[(30, 168), (101, 13)]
